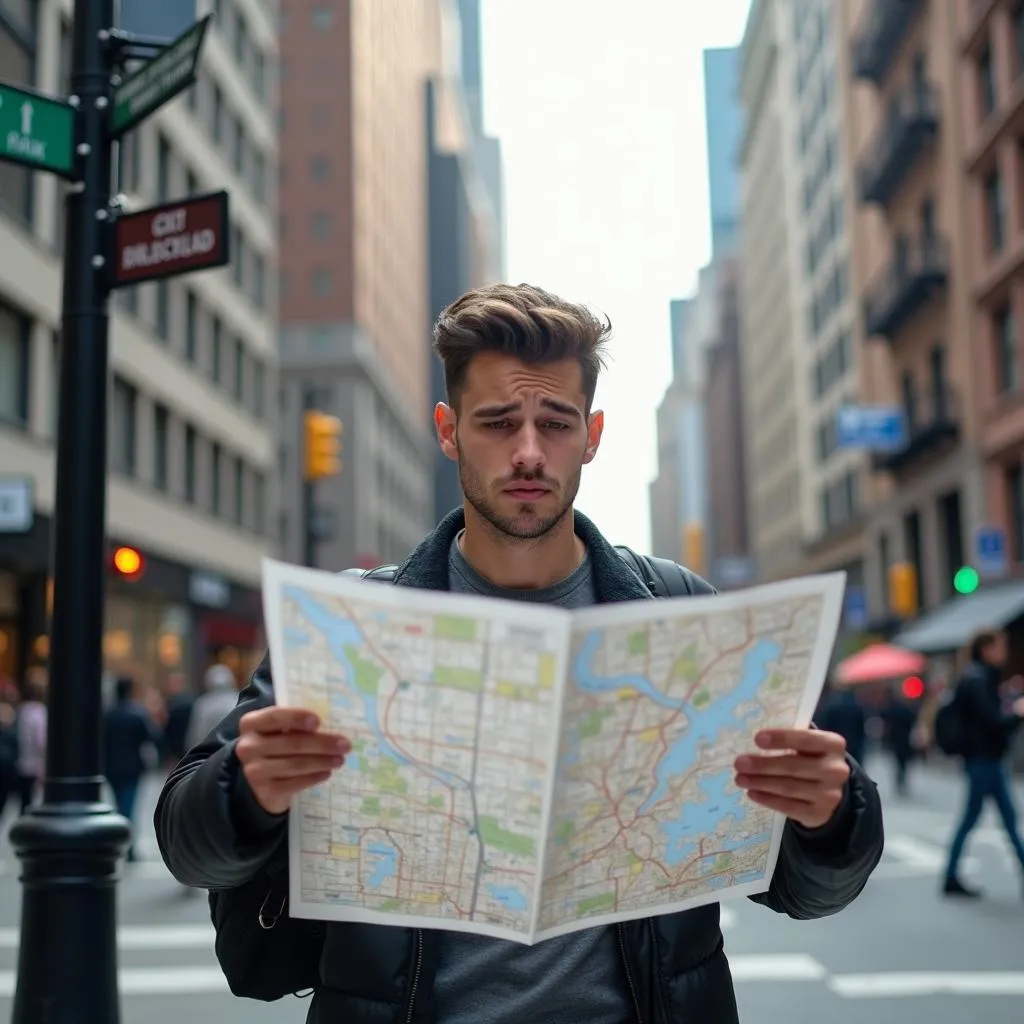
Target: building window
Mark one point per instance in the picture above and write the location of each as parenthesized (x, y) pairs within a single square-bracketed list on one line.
[(161, 420), (951, 523), (216, 472), (217, 114), (216, 344), (259, 387), (239, 491), (258, 281), (321, 283), (322, 18), (995, 213), (319, 168), (912, 546), (163, 310), (191, 326), (1018, 35), (321, 225), (163, 170), (238, 378), (986, 84), (122, 432), (1015, 499), (15, 329), (17, 58), (259, 499), (190, 465), (1004, 329)]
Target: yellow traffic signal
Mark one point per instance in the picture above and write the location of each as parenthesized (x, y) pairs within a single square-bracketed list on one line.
[(693, 547), (323, 445), (903, 589)]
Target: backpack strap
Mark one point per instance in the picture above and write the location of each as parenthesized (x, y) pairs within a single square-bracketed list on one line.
[(662, 576)]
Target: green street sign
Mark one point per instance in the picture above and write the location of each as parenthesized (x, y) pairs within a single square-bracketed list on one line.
[(37, 131), (159, 80)]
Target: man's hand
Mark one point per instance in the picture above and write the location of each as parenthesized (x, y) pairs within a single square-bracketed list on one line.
[(283, 751), (803, 780)]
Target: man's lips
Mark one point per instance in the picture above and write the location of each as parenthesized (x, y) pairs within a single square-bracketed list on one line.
[(524, 492)]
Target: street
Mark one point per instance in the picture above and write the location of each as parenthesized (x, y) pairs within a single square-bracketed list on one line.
[(900, 953)]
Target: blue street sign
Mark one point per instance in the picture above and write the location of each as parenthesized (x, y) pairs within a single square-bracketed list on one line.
[(874, 428), (990, 551), (855, 609)]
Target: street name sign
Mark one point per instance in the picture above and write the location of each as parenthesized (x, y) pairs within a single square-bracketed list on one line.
[(37, 131), (158, 80), (171, 239)]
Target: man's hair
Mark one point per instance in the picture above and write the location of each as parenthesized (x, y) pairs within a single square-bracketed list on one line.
[(981, 641), (522, 321)]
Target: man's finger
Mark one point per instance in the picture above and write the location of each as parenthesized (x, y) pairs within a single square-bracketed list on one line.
[(794, 766), (803, 741), (290, 744), (285, 789), (277, 719), (280, 768), (794, 789)]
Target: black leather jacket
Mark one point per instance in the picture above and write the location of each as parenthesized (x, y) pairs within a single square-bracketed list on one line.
[(212, 834)]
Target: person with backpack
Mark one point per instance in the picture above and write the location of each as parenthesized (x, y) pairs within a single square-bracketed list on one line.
[(977, 724), (521, 367)]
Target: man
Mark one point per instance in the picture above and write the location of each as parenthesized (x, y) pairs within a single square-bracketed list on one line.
[(521, 368), (987, 729)]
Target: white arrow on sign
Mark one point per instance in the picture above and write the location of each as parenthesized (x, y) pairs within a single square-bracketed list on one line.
[(26, 118)]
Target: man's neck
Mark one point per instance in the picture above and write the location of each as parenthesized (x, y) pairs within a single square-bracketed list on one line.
[(515, 564)]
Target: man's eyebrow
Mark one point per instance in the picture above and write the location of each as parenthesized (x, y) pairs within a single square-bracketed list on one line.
[(490, 412), (564, 408)]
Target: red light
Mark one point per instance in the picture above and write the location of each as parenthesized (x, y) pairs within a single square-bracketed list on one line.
[(913, 687)]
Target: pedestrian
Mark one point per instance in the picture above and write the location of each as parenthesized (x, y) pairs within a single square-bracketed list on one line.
[(31, 730), (180, 701), (842, 712), (129, 734), (521, 368), (987, 723), (213, 705)]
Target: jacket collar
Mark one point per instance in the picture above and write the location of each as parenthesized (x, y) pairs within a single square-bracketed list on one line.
[(427, 567)]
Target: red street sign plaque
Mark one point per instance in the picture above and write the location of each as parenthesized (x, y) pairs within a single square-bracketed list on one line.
[(175, 238)]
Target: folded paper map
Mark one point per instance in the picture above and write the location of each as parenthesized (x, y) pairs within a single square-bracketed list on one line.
[(523, 771)]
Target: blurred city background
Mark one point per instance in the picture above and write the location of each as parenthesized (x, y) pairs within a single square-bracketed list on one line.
[(805, 219)]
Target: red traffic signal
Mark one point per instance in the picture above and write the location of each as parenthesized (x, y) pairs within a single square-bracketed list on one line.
[(913, 687), (128, 563)]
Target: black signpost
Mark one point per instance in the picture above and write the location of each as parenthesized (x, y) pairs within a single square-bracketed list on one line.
[(71, 843)]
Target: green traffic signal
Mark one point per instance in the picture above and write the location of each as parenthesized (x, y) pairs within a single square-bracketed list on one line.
[(966, 580)]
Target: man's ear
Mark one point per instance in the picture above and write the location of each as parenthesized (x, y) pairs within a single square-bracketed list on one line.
[(445, 423), (595, 428)]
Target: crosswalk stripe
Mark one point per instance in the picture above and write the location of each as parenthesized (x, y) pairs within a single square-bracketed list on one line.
[(151, 981), (133, 937), (887, 985), (776, 967)]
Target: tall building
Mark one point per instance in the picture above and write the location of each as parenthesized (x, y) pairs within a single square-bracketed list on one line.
[(724, 123), (194, 366), (774, 357), (992, 35), (915, 268), (487, 149), (831, 475), (354, 334), (464, 213), (728, 536)]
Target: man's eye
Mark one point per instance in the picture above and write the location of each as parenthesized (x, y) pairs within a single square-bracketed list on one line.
[(556, 425), (499, 424)]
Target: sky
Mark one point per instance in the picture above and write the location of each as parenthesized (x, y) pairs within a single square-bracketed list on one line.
[(600, 113)]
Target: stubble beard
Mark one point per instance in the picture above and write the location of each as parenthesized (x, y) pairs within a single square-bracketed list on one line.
[(526, 526)]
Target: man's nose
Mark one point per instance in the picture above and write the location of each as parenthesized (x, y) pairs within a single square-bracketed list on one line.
[(528, 454)]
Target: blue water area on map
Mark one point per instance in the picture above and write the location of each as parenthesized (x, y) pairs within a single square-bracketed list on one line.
[(295, 638), (705, 724), (341, 634), (512, 897), (698, 819), (384, 858), (353, 762)]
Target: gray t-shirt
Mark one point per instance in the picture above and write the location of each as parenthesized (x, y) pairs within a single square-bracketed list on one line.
[(575, 977)]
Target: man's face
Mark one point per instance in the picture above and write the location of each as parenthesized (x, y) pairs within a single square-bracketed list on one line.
[(997, 651), (521, 437)]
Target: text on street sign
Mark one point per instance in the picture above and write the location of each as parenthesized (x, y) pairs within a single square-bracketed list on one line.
[(36, 131), (175, 238), (159, 80)]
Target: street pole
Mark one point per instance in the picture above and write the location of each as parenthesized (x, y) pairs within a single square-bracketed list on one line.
[(308, 493), (70, 845)]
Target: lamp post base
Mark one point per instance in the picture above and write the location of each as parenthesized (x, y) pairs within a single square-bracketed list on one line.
[(67, 960)]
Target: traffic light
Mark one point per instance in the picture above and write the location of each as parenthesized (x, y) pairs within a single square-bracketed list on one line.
[(323, 445), (128, 563), (903, 589), (913, 687), (966, 580), (693, 547)]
